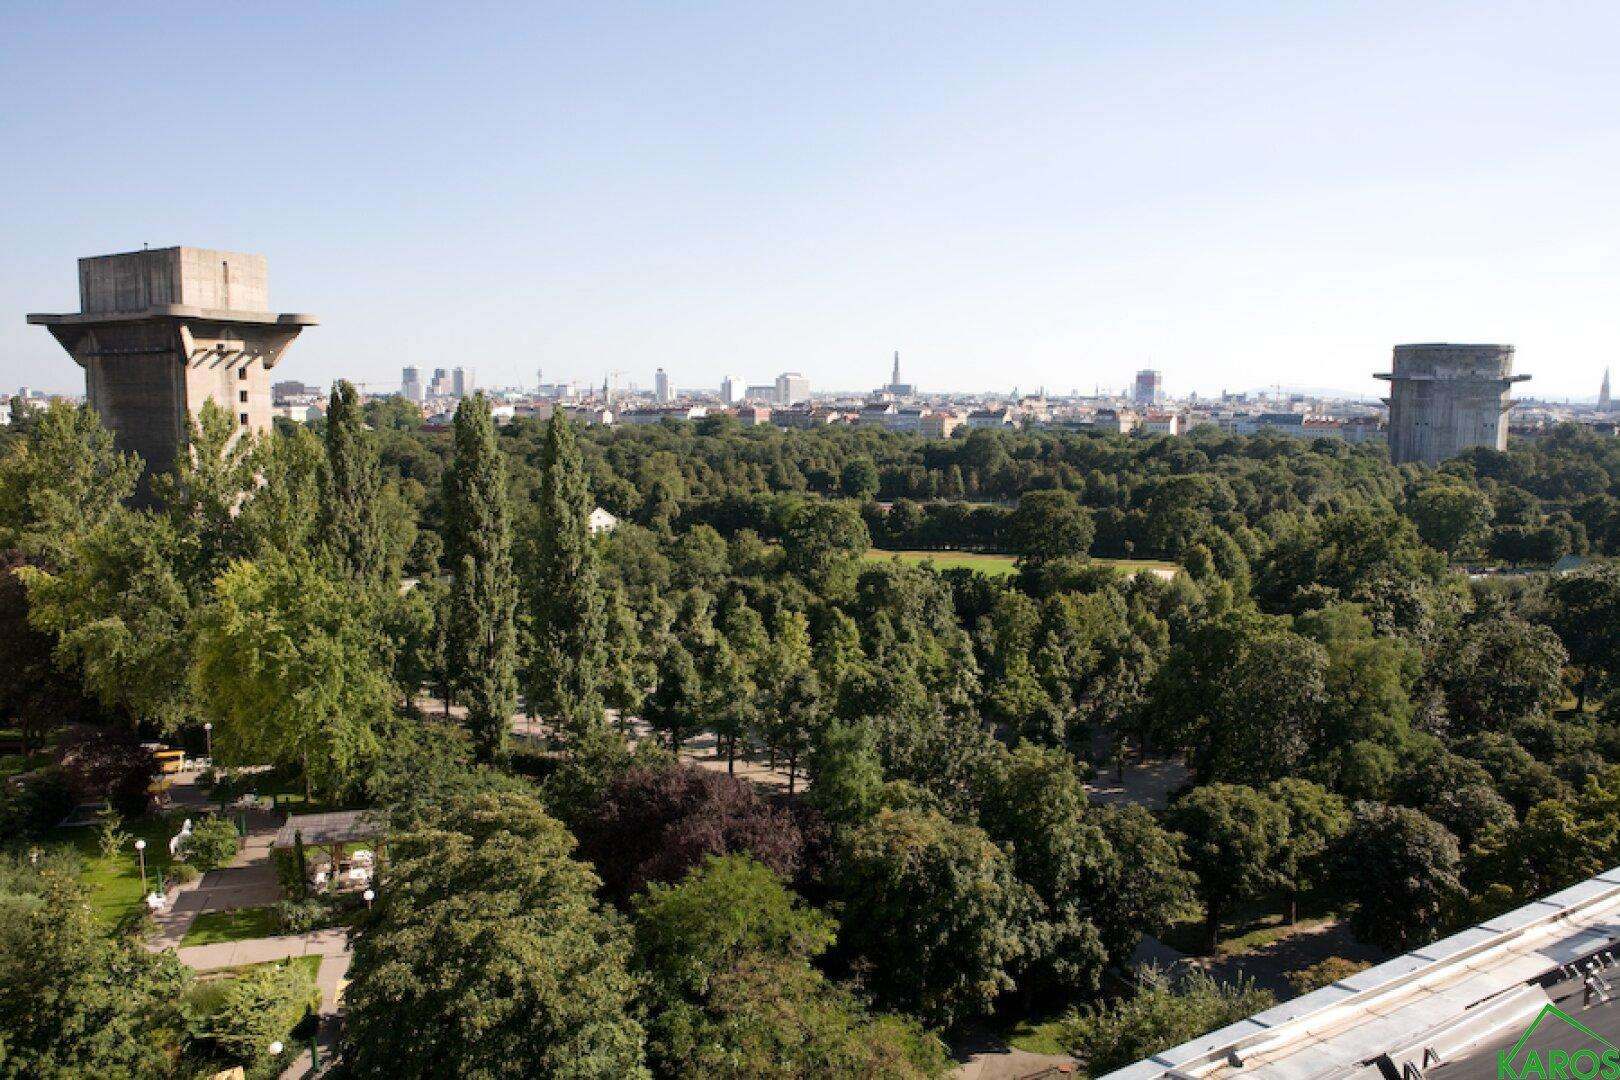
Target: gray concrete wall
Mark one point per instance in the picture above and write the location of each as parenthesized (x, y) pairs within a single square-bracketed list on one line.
[(149, 379), (1446, 399), (135, 281)]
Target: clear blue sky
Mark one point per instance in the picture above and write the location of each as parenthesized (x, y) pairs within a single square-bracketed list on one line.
[(1241, 193)]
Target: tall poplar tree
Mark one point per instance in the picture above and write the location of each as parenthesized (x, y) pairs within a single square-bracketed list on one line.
[(565, 601), (351, 515), (481, 633)]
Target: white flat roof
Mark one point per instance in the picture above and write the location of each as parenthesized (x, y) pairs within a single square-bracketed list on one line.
[(1333, 1031)]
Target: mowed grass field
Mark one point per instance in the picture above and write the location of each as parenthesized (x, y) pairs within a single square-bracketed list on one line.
[(1001, 565)]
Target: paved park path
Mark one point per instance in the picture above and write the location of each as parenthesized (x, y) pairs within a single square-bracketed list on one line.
[(701, 750), (331, 945), (250, 881)]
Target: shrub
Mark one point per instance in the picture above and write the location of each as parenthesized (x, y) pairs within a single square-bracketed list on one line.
[(288, 873), (110, 834), (302, 916), (1161, 1014), (213, 844), (183, 873), (242, 1016), (30, 805), (137, 923), (23, 875), (1325, 973)]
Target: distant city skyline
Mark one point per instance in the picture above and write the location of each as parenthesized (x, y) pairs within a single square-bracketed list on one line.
[(1026, 196)]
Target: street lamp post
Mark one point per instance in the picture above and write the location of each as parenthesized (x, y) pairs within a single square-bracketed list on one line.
[(208, 734), (140, 853), (368, 896)]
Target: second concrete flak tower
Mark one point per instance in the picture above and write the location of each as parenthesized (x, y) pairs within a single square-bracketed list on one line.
[(161, 331), (1445, 399)]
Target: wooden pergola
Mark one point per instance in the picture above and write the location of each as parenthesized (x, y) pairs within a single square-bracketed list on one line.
[(331, 831)]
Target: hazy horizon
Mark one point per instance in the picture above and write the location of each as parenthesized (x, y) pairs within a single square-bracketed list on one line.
[(1017, 196)]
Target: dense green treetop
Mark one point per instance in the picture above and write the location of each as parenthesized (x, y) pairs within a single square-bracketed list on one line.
[(481, 609), (487, 955), (562, 592)]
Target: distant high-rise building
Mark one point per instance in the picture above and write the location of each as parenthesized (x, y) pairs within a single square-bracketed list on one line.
[(1149, 388), (661, 388), (440, 386), (792, 388), (730, 390), (462, 382), (1605, 403), (1445, 399), (410, 384)]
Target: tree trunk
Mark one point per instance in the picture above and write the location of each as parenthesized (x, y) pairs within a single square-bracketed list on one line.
[(793, 768), (731, 755), (1580, 691), (309, 795), (1293, 908), (1212, 925)]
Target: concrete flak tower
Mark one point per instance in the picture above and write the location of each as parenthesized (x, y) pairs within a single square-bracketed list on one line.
[(1445, 399), (161, 331)]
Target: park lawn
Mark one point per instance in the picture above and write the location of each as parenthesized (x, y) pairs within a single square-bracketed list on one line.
[(287, 792), (1253, 926), (1038, 1036), (13, 763), (212, 927), (1136, 566), (984, 562), (114, 884), (311, 964), (996, 565)]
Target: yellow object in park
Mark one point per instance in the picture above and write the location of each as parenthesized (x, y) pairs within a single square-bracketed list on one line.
[(172, 761)]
